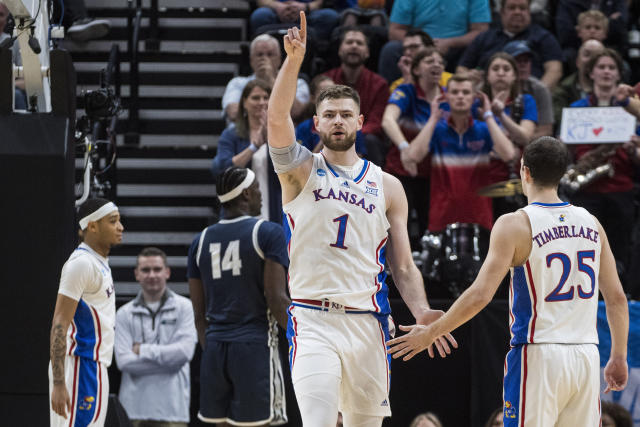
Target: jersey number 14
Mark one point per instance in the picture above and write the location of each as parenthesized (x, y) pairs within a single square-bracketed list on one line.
[(230, 260)]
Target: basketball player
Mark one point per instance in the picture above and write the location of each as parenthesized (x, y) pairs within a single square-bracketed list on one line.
[(560, 258), (344, 218), (237, 282), (83, 320)]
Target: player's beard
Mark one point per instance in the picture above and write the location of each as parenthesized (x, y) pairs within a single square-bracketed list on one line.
[(343, 145)]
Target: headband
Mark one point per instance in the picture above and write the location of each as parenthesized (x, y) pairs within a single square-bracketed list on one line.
[(248, 180), (98, 215)]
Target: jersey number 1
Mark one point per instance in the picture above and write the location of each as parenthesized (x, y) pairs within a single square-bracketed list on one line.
[(230, 261), (342, 230)]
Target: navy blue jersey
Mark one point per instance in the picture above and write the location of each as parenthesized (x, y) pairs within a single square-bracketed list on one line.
[(229, 259)]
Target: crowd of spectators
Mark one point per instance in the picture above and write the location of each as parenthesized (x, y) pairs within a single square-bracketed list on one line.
[(523, 65)]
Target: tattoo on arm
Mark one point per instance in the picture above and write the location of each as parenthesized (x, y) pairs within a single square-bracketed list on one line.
[(58, 351)]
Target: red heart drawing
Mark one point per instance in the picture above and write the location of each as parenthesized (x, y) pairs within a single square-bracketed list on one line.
[(598, 130)]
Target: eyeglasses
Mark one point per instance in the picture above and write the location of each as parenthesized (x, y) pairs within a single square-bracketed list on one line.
[(411, 47)]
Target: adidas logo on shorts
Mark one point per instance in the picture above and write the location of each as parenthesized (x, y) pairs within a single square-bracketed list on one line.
[(384, 403)]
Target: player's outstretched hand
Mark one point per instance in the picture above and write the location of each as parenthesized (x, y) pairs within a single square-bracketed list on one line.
[(60, 401), (295, 41), (616, 374), (418, 339)]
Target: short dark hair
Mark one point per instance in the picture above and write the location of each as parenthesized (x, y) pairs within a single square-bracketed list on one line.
[(153, 251), (547, 159), (338, 92), (349, 28), (316, 81), (426, 38), (588, 68), (90, 206), (425, 52), (460, 77), (230, 179), (503, 4)]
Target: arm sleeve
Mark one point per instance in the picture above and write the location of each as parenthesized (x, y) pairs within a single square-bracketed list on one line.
[(530, 108), (400, 97), (76, 278), (272, 242), (225, 152), (180, 350), (193, 271), (479, 11), (233, 91)]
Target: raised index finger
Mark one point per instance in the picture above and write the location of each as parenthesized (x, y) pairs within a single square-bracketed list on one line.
[(303, 27)]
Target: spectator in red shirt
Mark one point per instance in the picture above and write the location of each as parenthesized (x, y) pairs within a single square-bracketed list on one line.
[(372, 88)]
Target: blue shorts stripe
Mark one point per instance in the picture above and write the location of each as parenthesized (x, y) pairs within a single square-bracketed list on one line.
[(512, 387), (87, 401), (291, 333), (521, 307)]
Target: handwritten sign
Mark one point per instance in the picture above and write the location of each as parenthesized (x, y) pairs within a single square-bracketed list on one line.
[(596, 125)]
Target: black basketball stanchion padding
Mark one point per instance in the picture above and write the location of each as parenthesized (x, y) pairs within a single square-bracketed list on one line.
[(63, 84), (6, 77)]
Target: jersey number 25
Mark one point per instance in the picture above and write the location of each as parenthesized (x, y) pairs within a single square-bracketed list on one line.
[(557, 294)]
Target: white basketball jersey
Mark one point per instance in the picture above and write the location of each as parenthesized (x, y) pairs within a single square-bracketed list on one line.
[(554, 295), (337, 234), (86, 278)]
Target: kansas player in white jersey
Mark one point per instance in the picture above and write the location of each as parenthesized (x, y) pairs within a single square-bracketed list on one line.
[(82, 331), (344, 218), (560, 259)]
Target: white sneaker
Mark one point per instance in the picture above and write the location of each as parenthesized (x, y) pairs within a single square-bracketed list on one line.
[(88, 29)]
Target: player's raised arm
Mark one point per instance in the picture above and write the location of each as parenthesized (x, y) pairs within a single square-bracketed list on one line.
[(406, 275), (502, 250), (616, 371), (280, 125)]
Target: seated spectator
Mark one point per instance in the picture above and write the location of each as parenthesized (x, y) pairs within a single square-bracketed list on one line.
[(362, 12), (613, 27), (459, 148), (265, 58), (541, 12), (413, 41), (407, 112), (520, 51), (155, 341), (615, 415), (516, 24), (306, 133), (372, 88), (321, 20), (452, 28), (576, 85), (428, 419), (609, 198), (243, 144)]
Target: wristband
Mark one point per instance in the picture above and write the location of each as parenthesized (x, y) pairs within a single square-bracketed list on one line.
[(487, 114), (403, 145), (624, 102), (253, 147)]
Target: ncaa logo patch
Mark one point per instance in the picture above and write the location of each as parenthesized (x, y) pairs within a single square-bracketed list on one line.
[(321, 172)]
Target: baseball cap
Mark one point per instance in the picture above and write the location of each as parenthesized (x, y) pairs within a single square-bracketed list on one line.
[(517, 48)]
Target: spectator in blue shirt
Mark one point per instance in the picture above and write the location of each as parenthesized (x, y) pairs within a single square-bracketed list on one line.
[(451, 24)]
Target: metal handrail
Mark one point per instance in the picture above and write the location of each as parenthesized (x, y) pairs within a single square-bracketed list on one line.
[(134, 20)]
